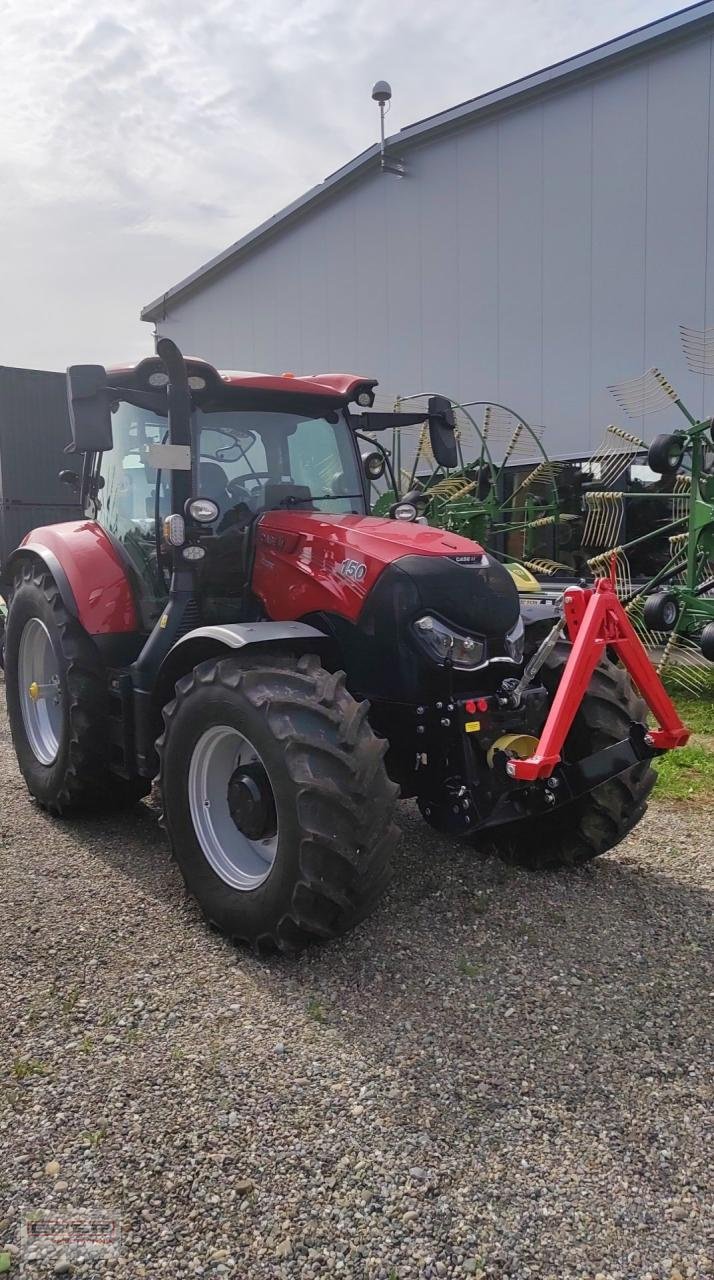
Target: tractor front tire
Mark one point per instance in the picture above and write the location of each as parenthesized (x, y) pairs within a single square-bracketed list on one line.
[(598, 821), (276, 799), (60, 738)]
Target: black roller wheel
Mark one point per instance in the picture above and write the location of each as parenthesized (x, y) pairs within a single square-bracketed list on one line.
[(665, 454), (707, 642), (579, 832), (57, 702), (276, 799), (661, 611)]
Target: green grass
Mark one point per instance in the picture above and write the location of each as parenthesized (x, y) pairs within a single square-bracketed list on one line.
[(23, 1067), (315, 1010), (467, 968), (686, 774), (696, 713)]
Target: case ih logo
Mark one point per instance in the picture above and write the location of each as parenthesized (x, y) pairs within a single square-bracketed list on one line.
[(355, 570), (278, 541)]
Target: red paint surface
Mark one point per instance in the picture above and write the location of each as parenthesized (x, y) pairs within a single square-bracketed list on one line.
[(299, 558), (335, 386), (105, 604), (316, 384), (596, 621)]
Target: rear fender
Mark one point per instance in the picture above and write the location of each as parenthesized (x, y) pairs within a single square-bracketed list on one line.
[(32, 552), (221, 640), (88, 572)]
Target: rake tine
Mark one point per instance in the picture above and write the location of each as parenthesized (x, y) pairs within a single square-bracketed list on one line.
[(698, 347), (544, 566), (648, 393), (614, 453), (600, 566)]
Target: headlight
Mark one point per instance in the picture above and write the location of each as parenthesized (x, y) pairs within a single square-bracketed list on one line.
[(373, 464), (442, 644), (404, 511), (515, 640), (203, 510)]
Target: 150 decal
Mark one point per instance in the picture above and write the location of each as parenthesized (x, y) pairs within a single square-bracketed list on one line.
[(355, 570)]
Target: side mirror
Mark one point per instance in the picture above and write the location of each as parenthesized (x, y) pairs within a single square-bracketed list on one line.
[(70, 478), (442, 425), (89, 411)]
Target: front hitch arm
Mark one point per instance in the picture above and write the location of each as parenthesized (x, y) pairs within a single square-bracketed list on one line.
[(597, 621)]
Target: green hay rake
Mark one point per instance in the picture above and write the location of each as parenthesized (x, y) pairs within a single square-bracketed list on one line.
[(518, 520), (674, 608)]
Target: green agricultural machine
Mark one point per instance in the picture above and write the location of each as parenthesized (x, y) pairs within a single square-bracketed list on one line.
[(645, 515)]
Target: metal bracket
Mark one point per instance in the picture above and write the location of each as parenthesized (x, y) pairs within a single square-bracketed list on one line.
[(597, 621)]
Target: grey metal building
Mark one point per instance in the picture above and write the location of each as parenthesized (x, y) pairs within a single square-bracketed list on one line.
[(547, 240)]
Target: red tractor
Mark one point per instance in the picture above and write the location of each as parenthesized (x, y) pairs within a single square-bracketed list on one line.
[(228, 616)]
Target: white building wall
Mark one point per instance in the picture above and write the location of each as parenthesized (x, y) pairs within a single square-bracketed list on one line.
[(532, 258)]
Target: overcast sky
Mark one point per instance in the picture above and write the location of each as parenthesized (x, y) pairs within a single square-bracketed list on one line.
[(139, 138)]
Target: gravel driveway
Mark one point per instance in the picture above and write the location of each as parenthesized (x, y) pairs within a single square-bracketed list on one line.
[(496, 1075)]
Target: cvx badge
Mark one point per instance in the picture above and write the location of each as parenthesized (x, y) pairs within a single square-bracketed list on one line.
[(355, 570)]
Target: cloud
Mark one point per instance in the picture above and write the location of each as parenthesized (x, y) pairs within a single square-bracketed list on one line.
[(137, 140)]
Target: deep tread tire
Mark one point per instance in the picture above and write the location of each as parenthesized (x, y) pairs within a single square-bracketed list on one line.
[(661, 611), (333, 797), (665, 454), (707, 642), (79, 777), (600, 820)]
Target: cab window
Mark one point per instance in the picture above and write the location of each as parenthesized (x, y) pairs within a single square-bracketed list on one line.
[(127, 499)]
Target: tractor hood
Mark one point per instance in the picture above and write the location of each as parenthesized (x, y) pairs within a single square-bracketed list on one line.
[(307, 563)]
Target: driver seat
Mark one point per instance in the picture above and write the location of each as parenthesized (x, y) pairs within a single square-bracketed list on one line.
[(213, 483)]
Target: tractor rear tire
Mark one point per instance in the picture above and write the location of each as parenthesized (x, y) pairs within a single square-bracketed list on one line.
[(598, 821), (276, 799), (61, 748)]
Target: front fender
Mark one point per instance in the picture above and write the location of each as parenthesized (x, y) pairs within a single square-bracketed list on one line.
[(209, 642), (88, 572)]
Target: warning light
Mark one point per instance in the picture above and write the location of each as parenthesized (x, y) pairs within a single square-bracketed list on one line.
[(482, 704), (470, 707)]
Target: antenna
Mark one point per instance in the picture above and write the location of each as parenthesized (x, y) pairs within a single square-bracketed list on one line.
[(382, 93)]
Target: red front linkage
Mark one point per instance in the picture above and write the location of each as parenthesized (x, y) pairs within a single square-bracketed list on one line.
[(596, 620)]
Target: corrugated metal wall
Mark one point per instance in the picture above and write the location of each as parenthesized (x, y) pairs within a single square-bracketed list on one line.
[(532, 258), (34, 429)]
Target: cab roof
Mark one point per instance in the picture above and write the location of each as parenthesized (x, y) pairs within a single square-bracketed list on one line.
[(338, 388)]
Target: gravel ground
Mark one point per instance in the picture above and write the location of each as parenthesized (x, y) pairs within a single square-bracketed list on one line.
[(496, 1075)]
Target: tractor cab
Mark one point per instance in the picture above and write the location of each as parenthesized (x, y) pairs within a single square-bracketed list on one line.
[(236, 446)]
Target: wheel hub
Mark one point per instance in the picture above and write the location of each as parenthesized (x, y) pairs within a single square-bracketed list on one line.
[(232, 807), (251, 804), (40, 691)]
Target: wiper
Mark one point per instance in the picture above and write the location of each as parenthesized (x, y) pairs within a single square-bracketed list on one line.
[(290, 501)]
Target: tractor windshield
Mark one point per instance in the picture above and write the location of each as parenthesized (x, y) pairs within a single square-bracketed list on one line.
[(260, 460), (247, 461)]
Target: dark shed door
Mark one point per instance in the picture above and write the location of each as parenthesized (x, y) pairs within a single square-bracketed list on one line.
[(34, 430)]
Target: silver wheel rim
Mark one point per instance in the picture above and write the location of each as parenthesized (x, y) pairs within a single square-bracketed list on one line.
[(40, 691), (240, 862)]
